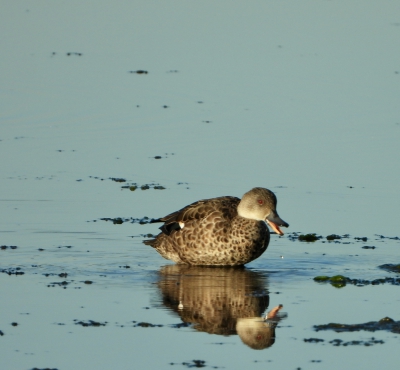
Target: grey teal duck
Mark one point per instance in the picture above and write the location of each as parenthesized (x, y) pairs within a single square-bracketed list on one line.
[(224, 231)]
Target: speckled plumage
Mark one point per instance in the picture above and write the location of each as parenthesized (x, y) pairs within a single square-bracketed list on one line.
[(223, 231)]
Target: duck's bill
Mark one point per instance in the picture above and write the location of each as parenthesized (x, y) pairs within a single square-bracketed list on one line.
[(274, 221)]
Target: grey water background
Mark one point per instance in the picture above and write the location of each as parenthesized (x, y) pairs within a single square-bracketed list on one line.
[(299, 97)]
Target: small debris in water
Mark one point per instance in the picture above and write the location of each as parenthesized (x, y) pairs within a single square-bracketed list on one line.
[(371, 342), (333, 237), (119, 220), (364, 238), (368, 247), (193, 363), (147, 325), (13, 271), (90, 323), (388, 237), (4, 247), (62, 284), (140, 72), (313, 340), (74, 53), (14, 324)]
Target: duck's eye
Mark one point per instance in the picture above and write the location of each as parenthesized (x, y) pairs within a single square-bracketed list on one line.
[(260, 201)]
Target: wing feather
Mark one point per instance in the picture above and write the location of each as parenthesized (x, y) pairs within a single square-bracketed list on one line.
[(227, 206)]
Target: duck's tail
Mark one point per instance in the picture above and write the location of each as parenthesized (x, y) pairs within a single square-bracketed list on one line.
[(151, 242)]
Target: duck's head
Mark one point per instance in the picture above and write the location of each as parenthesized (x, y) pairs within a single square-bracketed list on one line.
[(260, 204)]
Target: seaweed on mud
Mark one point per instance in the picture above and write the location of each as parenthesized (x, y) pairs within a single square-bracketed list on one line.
[(339, 281), (386, 323)]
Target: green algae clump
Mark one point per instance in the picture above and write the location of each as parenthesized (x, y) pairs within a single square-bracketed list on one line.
[(308, 237)]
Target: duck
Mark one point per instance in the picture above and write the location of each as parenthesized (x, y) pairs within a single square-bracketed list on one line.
[(223, 231)]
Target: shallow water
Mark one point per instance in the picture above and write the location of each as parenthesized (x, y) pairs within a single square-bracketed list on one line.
[(299, 97)]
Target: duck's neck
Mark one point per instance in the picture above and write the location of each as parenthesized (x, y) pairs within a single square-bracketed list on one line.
[(244, 211)]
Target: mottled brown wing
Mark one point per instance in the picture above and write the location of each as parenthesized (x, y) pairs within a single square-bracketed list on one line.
[(227, 206)]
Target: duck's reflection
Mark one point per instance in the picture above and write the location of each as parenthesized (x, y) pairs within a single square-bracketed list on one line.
[(222, 301)]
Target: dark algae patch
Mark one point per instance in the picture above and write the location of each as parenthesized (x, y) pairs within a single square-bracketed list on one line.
[(309, 237), (391, 267), (339, 281), (333, 237), (386, 324)]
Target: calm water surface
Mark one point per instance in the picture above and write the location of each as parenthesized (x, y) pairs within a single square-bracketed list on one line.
[(298, 97)]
